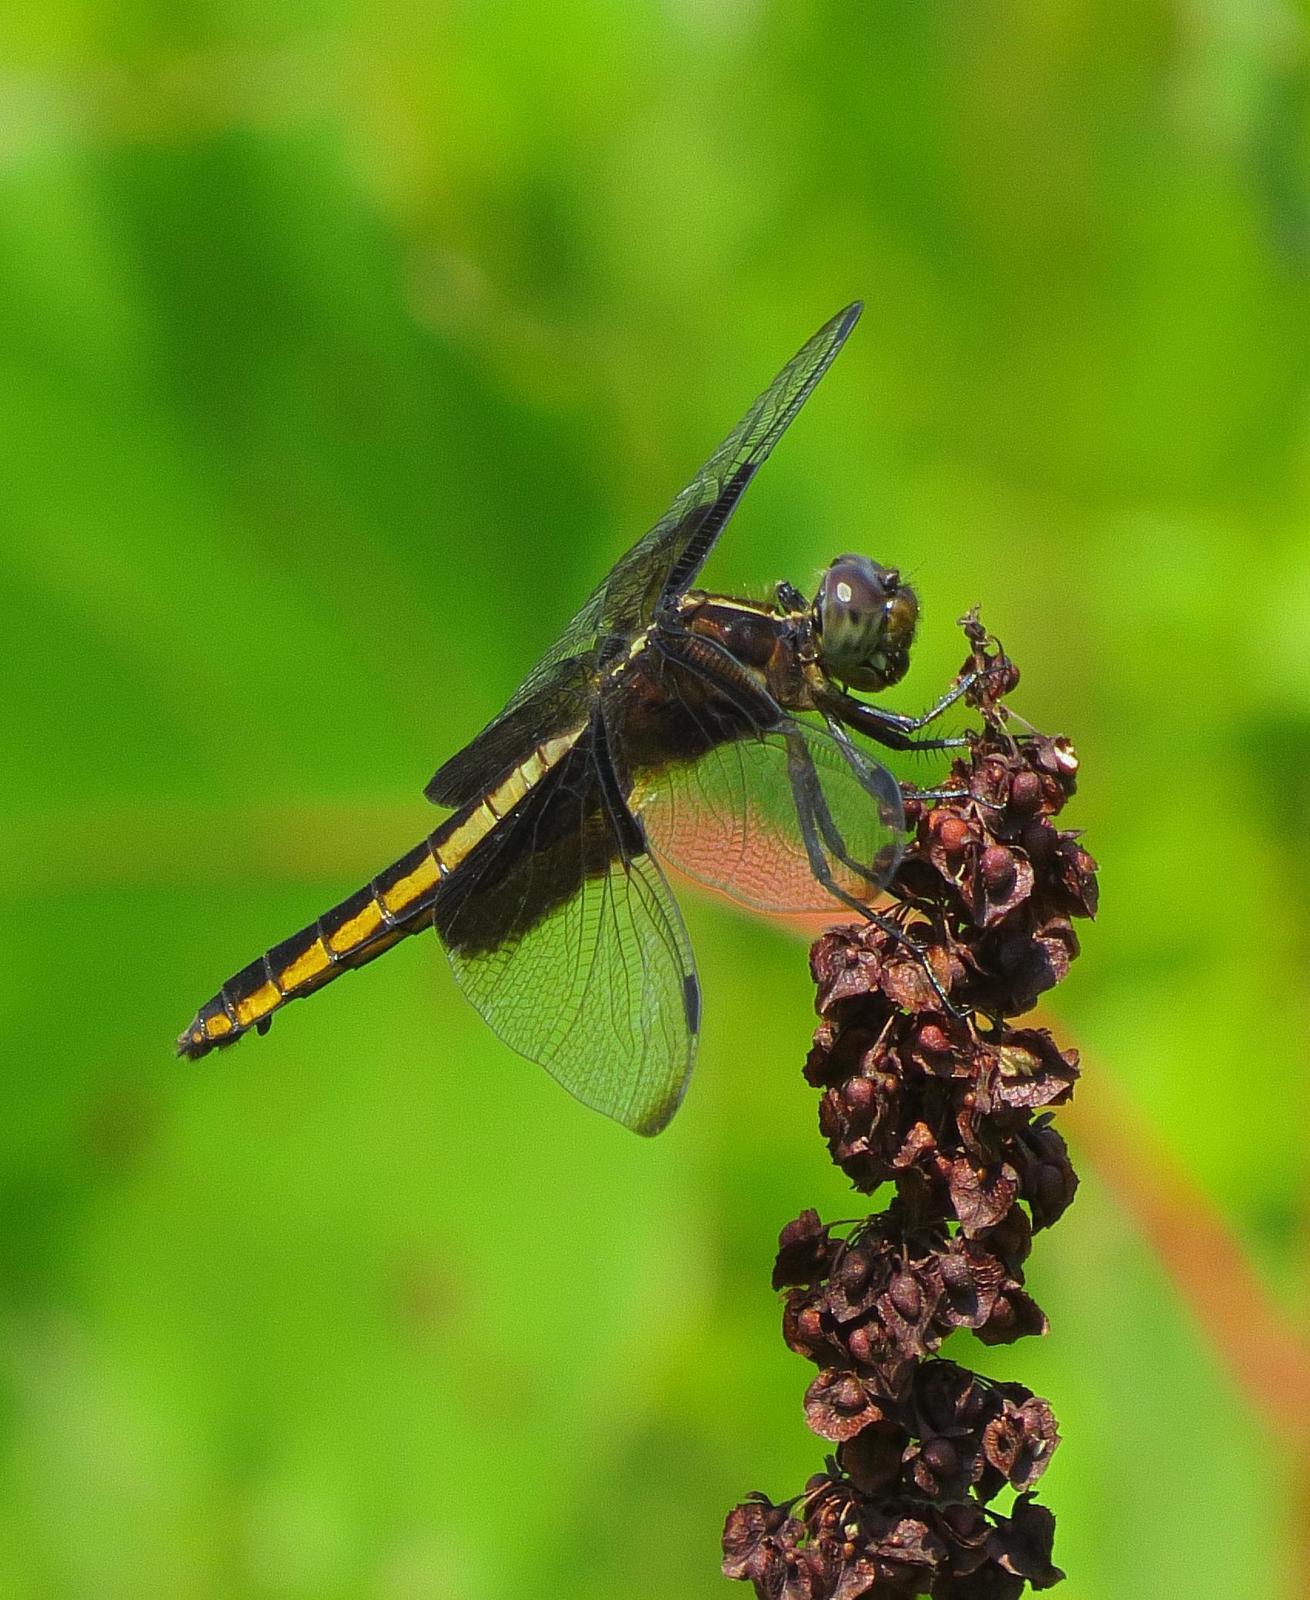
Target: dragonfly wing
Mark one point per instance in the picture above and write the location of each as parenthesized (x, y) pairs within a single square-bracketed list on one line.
[(562, 931), (768, 817), (558, 703), (667, 559), (662, 563)]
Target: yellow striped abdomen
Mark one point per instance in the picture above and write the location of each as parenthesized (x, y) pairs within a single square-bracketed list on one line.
[(398, 902)]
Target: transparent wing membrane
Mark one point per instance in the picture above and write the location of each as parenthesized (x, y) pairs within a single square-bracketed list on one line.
[(668, 558), (564, 935), (768, 817)]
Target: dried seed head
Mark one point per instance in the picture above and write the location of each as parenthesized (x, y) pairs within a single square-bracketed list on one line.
[(948, 1105)]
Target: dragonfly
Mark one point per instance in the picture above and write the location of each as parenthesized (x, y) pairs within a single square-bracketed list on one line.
[(666, 726)]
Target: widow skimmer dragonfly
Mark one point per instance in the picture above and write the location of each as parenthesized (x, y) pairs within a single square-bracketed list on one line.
[(664, 723)]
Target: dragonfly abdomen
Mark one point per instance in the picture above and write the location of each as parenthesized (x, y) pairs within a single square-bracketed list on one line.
[(399, 901), (359, 929)]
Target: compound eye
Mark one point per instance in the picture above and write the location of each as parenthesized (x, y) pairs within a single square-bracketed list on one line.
[(849, 612), (854, 585), (902, 617), (864, 620)]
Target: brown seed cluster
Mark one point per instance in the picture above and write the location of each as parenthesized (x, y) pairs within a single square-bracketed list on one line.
[(949, 1102)]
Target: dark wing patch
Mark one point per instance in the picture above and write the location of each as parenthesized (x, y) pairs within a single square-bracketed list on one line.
[(559, 702), (562, 931)]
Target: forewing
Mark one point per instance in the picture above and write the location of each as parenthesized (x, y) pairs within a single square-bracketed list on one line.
[(661, 564), (566, 938), (668, 558), (765, 817)]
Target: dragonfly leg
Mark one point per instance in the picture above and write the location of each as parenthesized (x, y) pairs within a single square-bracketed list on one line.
[(887, 926), (803, 784), (912, 793), (813, 848), (892, 728), (944, 702), (934, 795), (812, 808)]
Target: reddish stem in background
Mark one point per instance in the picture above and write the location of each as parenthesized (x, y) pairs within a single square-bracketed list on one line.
[(1266, 1357)]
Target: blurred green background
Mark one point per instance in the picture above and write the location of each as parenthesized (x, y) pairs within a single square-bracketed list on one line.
[(343, 348)]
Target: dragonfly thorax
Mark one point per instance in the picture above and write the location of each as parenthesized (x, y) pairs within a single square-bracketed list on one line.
[(864, 619)]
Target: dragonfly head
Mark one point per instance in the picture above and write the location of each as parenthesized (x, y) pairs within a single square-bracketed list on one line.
[(864, 619)]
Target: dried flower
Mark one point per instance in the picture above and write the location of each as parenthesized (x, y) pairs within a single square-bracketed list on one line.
[(929, 1085)]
